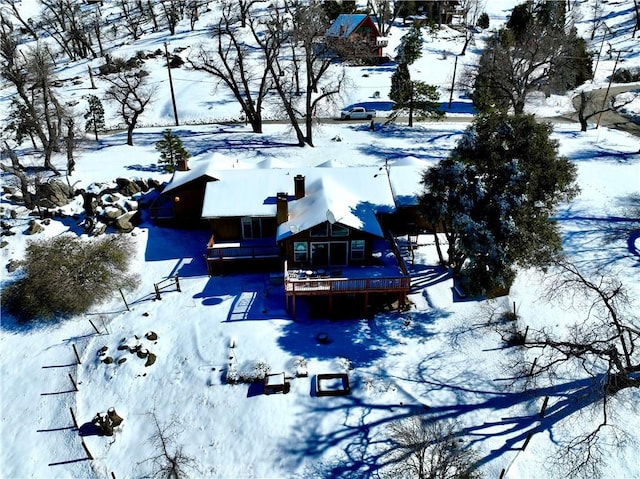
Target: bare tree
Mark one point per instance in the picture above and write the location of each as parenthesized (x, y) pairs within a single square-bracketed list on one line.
[(131, 91), (69, 26), (536, 52), (384, 12), (17, 170), (425, 449), (170, 461), (13, 11), (590, 105), (31, 74), (303, 26), (471, 11), (229, 62), (604, 346)]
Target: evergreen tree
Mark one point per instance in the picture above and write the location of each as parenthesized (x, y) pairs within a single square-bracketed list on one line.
[(171, 150), (414, 97), (400, 84), (494, 197), (410, 47), (94, 115)]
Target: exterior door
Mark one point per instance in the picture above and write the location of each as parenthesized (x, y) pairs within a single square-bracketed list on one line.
[(319, 254)]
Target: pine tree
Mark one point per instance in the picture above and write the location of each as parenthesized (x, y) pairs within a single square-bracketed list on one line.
[(414, 97), (410, 47), (494, 197), (94, 115), (171, 150)]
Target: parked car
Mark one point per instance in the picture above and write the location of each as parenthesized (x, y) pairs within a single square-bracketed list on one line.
[(358, 113)]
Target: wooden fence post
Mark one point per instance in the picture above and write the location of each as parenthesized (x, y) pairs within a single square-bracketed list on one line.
[(73, 416), (86, 449), (94, 327), (178, 284), (75, 386), (76, 353), (533, 366), (123, 299), (526, 441), (155, 285)]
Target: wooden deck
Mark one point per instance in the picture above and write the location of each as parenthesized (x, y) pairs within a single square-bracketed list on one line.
[(314, 283), (219, 253)]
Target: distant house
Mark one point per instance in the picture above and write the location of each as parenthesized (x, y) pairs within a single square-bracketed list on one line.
[(356, 37), (439, 11)]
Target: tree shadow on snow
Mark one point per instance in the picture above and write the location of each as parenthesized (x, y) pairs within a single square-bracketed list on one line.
[(362, 436)]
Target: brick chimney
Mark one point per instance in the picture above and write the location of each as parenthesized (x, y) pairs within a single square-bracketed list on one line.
[(282, 208), (298, 182)]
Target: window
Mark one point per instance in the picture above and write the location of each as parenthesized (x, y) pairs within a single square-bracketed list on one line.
[(251, 227), (300, 252), (339, 230), (319, 230), (357, 249)]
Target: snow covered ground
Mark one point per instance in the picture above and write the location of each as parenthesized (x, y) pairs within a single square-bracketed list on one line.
[(439, 359)]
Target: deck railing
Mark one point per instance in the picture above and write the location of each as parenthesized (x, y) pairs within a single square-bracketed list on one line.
[(312, 285)]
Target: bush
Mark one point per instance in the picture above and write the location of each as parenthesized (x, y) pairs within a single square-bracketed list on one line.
[(627, 75), (483, 21), (67, 275)]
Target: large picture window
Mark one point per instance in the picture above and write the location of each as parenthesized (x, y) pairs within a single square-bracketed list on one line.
[(300, 252), (339, 230), (319, 230), (357, 249)]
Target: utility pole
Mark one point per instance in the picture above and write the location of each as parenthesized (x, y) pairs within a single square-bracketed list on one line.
[(453, 82), (173, 96)]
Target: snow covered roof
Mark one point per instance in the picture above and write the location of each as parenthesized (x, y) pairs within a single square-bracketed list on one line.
[(198, 168), (345, 24), (252, 192), (326, 200)]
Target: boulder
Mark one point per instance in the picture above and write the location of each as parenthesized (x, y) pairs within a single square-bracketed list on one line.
[(54, 193), (127, 222), (128, 187), (34, 228), (113, 212)]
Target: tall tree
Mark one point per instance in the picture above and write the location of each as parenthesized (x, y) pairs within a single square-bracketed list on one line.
[(94, 115), (415, 97), (495, 196), (230, 62), (536, 51), (37, 105), (410, 47), (132, 93)]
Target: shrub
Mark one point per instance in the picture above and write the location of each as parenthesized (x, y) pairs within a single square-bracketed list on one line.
[(67, 275), (627, 75), (483, 21)]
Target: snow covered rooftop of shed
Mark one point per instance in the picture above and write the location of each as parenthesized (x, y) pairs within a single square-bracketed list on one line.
[(199, 168)]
